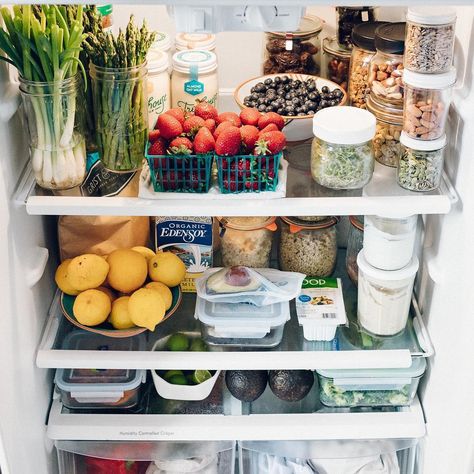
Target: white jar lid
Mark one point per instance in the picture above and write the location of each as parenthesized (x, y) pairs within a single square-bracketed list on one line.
[(162, 41), (344, 125), (205, 61), (389, 275), (431, 15), (430, 81), (423, 145), (157, 61), (200, 41)]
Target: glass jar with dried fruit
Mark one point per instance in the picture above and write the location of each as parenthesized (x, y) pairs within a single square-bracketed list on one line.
[(335, 62), (348, 18), (296, 51)]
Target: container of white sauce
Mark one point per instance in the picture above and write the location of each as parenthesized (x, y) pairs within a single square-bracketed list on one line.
[(389, 242), (384, 296), (158, 85)]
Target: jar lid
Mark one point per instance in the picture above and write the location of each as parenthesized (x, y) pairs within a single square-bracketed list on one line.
[(431, 15), (389, 275), (162, 41), (248, 223), (384, 112), (430, 81), (157, 61), (205, 61), (390, 38), (200, 41), (309, 26), (357, 222), (423, 145), (344, 125), (363, 34), (297, 224), (330, 45)]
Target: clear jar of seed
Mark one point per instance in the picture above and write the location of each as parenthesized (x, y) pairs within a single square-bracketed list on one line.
[(421, 163), (430, 36)]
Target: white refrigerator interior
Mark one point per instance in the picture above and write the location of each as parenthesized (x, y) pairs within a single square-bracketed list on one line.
[(28, 326)]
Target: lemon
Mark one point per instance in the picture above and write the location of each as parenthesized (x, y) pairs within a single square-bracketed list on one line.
[(62, 281), (167, 268), (120, 316), (145, 251), (177, 342), (87, 271), (108, 292), (164, 291), (128, 270), (91, 307), (146, 308)]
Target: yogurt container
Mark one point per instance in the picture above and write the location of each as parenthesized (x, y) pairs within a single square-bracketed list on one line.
[(158, 86)]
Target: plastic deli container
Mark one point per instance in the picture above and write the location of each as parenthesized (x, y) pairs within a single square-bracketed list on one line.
[(370, 387), (389, 242), (241, 324), (383, 301)]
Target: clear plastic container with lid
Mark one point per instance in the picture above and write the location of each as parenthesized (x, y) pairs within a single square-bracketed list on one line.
[(342, 155), (201, 41), (383, 297), (296, 51), (194, 77), (363, 38), (158, 85), (336, 60), (247, 241), (354, 246), (308, 247), (386, 67), (427, 100), (430, 39), (421, 163), (387, 147), (348, 18)]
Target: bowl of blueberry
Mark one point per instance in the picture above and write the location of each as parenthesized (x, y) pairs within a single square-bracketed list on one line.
[(296, 97)]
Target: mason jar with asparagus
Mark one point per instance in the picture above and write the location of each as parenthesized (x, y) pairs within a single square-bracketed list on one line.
[(118, 72)]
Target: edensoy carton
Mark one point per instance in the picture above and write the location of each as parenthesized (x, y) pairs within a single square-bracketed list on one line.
[(190, 238)]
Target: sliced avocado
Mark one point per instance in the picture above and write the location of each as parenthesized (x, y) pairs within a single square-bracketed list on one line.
[(291, 385), (246, 385), (232, 280)]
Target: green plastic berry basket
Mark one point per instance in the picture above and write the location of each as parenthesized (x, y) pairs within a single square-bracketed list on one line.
[(180, 173), (247, 173)]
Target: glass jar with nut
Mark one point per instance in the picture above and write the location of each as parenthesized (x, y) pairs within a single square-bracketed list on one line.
[(294, 52), (386, 67), (427, 99), (335, 61)]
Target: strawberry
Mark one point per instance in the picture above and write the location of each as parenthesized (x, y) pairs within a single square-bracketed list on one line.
[(169, 126), (153, 135), (231, 117), (250, 116), (204, 141), (249, 135), (158, 147), (193, 124), (177, 113), (270, 143), (205, 110), (271, 127), (271, 117), (228, 142), (222, 126), (210, 124), (181, 146)]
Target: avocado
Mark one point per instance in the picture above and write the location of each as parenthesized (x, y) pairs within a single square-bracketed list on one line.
[(291, 385), (232, 280), (246, 385)]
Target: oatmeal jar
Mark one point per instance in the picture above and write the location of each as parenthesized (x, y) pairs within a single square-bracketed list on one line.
[(430, 35), (354, 246), (247, 241), (387, 147), (386, 67), (348, 18), (335, 61), (294, 52), (427, 99), (308, 247)]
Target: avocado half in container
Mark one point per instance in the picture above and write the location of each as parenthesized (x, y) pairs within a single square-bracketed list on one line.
[(232, 280), (291, 385), (246, 385)]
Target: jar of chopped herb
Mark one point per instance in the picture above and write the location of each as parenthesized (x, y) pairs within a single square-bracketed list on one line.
[(342, 155)]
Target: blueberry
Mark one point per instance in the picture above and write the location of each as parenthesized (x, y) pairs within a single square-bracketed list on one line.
[(297, 83), (323, 103), (311, 112), (247, 103), (268, 82), (299, 110), (269, 108), (277, 80), (262, 108), (285, 79), (287, 87), (312, 96), (301, 114), (259, 87), (281, 111), (311, 87), (295, 100), (304, 109), (254, 96), (290, 110), (253, 89), (325, 89), (333, 102)]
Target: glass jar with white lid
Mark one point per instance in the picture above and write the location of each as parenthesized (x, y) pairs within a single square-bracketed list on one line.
[(163, 43), (201, 41), (158, 85), (194, 78)]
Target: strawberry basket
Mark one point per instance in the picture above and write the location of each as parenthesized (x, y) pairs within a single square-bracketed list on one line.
[(247, 173)]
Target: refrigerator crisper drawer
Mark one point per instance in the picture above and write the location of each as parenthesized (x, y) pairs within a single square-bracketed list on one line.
[(140, 457)]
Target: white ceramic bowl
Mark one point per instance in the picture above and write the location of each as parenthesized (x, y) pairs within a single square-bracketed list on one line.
[(297, 128)]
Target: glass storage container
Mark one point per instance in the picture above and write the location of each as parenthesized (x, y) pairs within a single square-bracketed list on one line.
[(386, 67), (158, 86), (201, 41), (430, 36), (427, 99), (363, 37), (294, 52), (309, 248), (336, 61), (387, 147), (383, 297), (421, 163), (348, 18), (246, 241), (370, 387), (342, 154), (354, 246)]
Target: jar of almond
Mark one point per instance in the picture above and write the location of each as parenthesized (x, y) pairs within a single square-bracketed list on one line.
[(427, 99)]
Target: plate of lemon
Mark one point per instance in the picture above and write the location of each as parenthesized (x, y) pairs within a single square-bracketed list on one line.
[(121, 294)]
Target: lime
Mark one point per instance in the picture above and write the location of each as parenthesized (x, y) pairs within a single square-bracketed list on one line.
[(178, 342), (198, 345), (200, 376), (178, 380), (171, 373)]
